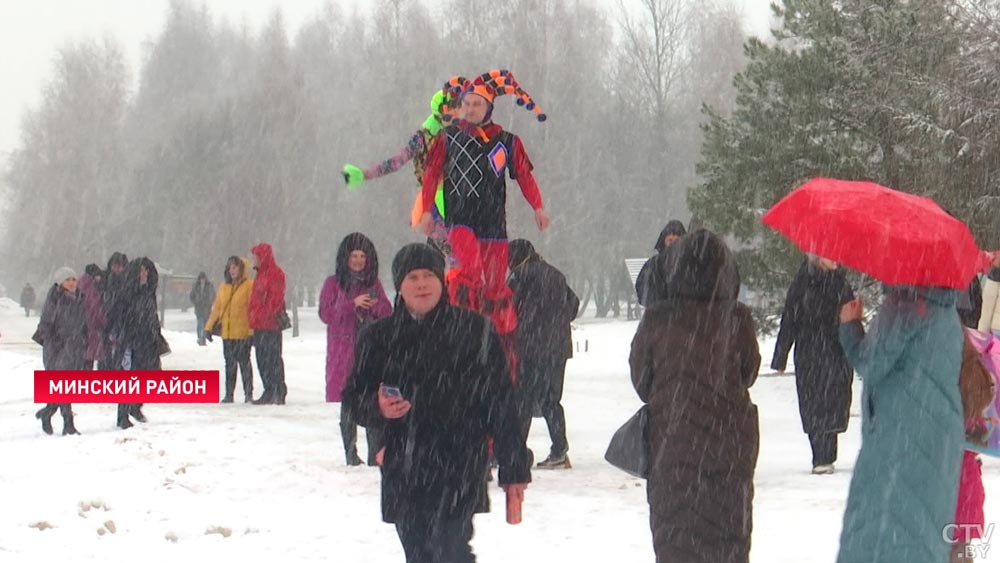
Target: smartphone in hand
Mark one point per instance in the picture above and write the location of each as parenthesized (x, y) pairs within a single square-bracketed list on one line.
[(393, 392)]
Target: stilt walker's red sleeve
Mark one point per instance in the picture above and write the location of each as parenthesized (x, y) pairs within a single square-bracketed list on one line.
[(522, 172), (433, 171)]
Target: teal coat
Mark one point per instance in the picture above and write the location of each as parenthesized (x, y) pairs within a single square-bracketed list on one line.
[(905, 483)]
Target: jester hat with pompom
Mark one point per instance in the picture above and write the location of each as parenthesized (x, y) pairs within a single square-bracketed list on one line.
[(490, 86)]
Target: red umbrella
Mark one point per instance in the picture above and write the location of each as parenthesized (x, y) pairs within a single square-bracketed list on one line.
[(899, 238)]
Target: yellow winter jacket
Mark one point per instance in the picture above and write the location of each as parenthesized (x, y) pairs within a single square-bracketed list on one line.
[(232, 307)]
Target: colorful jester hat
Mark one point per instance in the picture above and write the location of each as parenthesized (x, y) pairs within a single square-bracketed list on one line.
[(490, 86)]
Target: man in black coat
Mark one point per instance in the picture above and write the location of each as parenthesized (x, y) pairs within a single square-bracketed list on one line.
[(545, 307), (823, 376), (28, 299), (433, 377), (202, 296), (645, 281), (137, 326), (112, 291)]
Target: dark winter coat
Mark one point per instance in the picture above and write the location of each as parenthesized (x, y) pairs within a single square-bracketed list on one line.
[(62, 330), (693, 359), (451, 367), (970, 304), (545, 306), (268, 296), (112, 296), (28, 297), (202, 296), (138, 321), (645, 281), (810, 321)]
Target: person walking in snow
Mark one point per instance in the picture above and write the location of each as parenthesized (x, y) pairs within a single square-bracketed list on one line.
[(112, 292), (905, 483), (670, 234), (62, 333), (471, 156), (231, 313), (545, 307), (201, 296), (267, 301), (693, 360), (137, 323), (89, 286), (433, 376), (351, 299), (823, 377), (27, 299), (977, 390)]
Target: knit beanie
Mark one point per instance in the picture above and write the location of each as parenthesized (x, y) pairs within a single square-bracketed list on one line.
[(63, 274), (416, 256)]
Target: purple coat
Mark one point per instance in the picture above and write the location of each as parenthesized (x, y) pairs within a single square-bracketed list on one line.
[(337, 310), (94, 315)]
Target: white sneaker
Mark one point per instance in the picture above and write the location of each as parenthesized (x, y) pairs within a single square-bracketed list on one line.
[(823, 469)]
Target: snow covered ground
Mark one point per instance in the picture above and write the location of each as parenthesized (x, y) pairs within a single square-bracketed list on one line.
[(243, 482)]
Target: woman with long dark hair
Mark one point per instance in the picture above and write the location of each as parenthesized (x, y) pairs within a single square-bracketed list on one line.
[(351, 299)]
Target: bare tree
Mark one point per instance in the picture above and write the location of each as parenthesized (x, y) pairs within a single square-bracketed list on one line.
[(655, 44)]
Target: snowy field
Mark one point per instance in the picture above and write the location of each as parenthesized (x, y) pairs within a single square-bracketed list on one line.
[(253, 483)]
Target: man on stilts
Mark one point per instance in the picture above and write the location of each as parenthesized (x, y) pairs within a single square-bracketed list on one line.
[(472, 155)]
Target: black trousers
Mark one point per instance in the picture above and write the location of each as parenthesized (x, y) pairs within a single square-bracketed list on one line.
[(349, 433), (272, 367), (427, 537), (540, 381), (237, 355), (824, 448)]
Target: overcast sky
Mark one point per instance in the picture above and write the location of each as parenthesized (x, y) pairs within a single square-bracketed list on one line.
[(31, 32)]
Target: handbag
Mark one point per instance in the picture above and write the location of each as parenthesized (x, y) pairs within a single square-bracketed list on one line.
[(162, 347), (284, 323), (217, 327), (629, 447)]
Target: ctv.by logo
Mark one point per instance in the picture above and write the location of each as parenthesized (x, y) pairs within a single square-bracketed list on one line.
[(951, 531)]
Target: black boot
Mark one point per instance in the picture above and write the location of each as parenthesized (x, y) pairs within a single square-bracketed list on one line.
[(45, 415), (353, 458), (266, 398), (136, 412), (123, 421), (349, 436), (67, 416)]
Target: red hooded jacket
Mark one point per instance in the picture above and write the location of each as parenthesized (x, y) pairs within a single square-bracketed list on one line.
[(268, 297)]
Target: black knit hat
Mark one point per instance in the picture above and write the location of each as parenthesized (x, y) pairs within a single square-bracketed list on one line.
[(416, 256), (93, 270), (520, 251)]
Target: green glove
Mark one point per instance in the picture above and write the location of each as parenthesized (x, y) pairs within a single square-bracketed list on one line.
[(353, 177), (433, 124)]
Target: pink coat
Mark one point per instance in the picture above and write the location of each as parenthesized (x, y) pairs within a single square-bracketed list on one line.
[(337, 310), (971, 497)]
